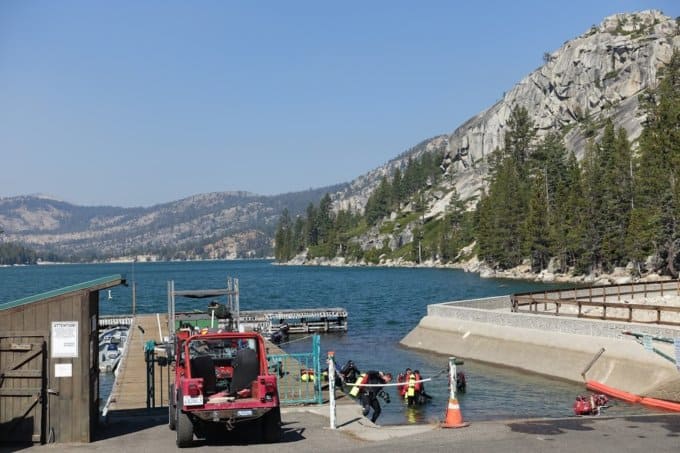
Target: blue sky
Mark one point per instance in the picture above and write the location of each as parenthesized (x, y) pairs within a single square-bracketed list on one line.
[(134, 103)]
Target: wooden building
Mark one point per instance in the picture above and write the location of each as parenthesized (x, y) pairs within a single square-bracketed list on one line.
[(49, 371)]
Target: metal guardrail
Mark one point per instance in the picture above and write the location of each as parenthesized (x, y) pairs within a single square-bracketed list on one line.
[(115, 320), (612, 297)]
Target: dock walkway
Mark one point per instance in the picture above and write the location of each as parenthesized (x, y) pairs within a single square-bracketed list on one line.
[(129, 390)]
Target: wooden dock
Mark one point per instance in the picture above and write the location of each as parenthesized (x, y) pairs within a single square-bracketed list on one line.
[(129, 390)]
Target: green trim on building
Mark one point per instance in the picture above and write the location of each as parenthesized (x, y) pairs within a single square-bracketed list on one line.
[(96, 285)]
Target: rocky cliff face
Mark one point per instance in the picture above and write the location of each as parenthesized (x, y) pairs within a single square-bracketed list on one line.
[(597, 75)]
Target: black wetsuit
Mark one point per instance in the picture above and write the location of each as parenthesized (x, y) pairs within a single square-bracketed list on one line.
[(369, 395)]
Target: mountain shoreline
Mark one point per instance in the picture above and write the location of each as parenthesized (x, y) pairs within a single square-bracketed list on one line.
[(522, 272)]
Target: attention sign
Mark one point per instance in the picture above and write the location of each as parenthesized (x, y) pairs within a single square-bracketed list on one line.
[(64, 339)]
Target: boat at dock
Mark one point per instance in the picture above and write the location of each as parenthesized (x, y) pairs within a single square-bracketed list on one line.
[(112, 343)]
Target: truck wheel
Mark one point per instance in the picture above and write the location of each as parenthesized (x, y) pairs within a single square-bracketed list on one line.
[(172, 410), (185, 428), (271, 426)]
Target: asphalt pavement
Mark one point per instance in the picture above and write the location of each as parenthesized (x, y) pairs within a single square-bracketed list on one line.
[(307, 429)]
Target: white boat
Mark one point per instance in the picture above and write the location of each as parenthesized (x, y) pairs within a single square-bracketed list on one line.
[(112, 344)]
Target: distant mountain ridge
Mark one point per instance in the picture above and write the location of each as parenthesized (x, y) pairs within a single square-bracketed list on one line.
[(212, 225)]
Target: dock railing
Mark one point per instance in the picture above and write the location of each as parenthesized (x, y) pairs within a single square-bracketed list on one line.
[(607, 302)]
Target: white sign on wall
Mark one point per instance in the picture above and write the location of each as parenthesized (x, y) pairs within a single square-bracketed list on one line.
[(64, 339), (63, 370)]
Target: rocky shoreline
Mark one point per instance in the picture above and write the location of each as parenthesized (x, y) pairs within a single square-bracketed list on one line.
[(620, 275)]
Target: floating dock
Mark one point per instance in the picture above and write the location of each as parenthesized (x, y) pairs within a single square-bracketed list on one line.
[(308, 320)]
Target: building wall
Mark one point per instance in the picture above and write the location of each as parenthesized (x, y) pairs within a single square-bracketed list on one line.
[(71, 401)]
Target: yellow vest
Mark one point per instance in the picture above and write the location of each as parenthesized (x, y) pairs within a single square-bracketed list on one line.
[(411, 392), (356, 387)]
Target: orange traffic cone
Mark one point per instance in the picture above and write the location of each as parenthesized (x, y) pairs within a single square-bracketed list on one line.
[(454, 418)]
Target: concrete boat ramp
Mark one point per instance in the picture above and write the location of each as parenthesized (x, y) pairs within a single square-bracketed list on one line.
[(564, 346)]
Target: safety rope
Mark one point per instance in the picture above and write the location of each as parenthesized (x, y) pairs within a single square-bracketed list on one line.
[(395, 384)]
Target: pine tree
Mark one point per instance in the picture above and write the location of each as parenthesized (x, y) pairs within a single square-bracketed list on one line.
[(283, 243), (502, 217), (397, 195), (324, 219), (655, 221), (617, 186), (503, 233), (378, 204), (592, 207), (537, 225), (520, 135), (569, 225), (311, 226)]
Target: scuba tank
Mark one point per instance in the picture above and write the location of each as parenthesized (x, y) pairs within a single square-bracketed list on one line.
[(357, 385)]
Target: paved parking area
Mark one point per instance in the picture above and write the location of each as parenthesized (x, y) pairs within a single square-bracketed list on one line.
[(306, 429)]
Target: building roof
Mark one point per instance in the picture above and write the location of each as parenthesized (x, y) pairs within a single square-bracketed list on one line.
[(92, 285)]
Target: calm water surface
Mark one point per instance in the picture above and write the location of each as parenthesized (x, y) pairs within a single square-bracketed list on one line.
[(384, 304)]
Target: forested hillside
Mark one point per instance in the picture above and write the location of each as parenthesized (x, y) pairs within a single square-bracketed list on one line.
[(540, 205)]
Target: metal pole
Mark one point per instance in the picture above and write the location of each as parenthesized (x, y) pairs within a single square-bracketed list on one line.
[(170, 329), (331, 387), (161, 382), (134, 292), (591, 363), (238, 308), (316, 345)]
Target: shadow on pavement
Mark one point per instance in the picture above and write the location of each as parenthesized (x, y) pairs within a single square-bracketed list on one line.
[(671, 422), (130, 421), (250, 434), (552, 427)]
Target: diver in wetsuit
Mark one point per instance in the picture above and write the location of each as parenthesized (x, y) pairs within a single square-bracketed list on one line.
[(369, 395)]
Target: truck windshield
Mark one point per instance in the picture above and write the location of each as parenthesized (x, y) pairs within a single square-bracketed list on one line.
[(219, 348)]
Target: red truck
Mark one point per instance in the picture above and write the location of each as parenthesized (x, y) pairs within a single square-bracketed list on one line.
[(222, 380)]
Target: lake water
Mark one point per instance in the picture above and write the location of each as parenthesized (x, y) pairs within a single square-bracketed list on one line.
[(384, 304)]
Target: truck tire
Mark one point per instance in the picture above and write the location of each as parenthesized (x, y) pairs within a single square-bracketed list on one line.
[(184, 426), (271, 426), (172, 409)]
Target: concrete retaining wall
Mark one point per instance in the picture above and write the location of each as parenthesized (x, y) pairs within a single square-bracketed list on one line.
[(550, 345), (488, 311)]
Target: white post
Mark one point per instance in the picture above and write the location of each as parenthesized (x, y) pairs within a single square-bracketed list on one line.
[(452, 378), (331, 387), (160, 332)]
